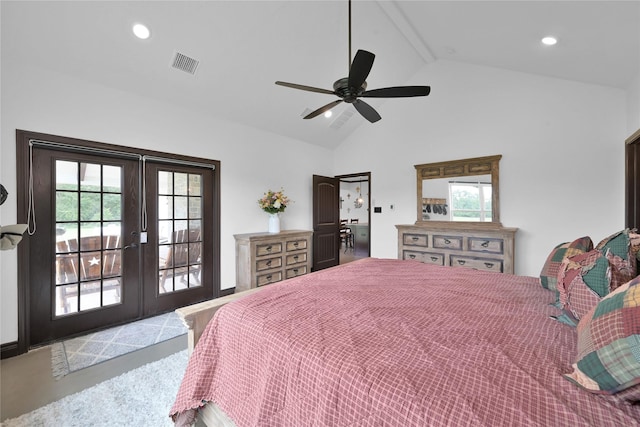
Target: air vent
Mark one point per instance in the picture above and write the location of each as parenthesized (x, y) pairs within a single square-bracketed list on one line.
[(342, 119), (184, 63)]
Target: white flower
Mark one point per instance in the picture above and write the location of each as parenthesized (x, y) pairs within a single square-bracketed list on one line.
[(277, 204)]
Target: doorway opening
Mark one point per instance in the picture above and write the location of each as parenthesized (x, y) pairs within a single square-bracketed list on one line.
[(355, 216)]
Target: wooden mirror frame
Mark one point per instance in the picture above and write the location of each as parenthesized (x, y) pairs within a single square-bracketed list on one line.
[(464, 167)]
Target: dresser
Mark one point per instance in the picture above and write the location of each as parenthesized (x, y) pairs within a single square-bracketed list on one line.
[(468, 245), (264, 258)]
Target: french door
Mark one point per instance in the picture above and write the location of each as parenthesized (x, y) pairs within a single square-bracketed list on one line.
[(113, 238)]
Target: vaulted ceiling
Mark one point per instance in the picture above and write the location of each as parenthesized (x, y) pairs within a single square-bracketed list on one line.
[(243, 47)]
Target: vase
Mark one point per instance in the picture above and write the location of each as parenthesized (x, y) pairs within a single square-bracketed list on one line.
[(274, 223)]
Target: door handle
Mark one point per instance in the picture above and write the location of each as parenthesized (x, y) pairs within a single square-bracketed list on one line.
[(131, 246)]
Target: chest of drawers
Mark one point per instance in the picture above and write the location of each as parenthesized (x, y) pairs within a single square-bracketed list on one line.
[(264, 258), (465, 245)]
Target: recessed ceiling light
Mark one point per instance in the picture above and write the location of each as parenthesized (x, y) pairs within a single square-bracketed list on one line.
[(328, 114), (549, 40), (141, 31)]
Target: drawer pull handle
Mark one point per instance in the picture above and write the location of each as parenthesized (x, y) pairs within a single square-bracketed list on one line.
[(414, 238), (461, 262), (434, 258), (295, 257), (269, 263), (412, 256), (447, 241), (488, 264), (295, 271), (269, 248), (296, 244), (269, 278), (485, 244)]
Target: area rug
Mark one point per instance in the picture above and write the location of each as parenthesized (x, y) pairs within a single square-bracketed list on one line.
[(79, 353), (141, 397)]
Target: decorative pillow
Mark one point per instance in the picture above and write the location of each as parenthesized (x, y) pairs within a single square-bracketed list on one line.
[(549, 273), (608, 358), (583, 280), (620, 245)]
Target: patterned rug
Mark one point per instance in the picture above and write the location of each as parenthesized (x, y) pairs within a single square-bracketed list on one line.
[(79, 353)]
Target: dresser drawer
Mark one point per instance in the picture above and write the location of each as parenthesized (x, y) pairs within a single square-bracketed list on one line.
[(486, 244), (486, 264), (415, 239), (265, 279), (268, 263), (447, 242), (268, 249), (296, 258), (296, 245), (296, 271), (425, 257)]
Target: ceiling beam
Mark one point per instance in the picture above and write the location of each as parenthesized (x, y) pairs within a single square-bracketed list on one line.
[(395, 15)]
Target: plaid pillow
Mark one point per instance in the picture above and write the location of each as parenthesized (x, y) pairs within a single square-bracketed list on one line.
[(583, 280), (549, 273), (608, 358), (623, 244)]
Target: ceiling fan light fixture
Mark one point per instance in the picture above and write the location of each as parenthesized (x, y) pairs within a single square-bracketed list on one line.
[(328, 114), (549, 40)]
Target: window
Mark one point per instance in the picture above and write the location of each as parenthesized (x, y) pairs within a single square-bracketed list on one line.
[(470, 201)]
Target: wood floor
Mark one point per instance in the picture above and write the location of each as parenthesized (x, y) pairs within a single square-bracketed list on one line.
[(26, 381)]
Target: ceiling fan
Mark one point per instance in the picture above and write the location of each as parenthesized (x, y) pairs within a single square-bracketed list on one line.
[(350, 89)]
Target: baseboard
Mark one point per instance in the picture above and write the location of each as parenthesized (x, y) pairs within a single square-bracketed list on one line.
[(8, 350)]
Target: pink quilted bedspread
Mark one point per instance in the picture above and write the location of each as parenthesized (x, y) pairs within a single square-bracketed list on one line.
[(382, 342)]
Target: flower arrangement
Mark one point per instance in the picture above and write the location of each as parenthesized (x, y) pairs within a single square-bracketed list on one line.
[(273, 201)]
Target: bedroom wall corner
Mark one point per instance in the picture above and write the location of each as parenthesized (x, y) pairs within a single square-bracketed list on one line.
[(556, 138)]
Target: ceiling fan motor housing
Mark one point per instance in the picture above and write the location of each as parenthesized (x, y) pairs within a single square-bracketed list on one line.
[(348, 94)]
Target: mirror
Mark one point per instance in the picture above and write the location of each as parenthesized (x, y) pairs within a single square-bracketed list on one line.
[(476, 178)]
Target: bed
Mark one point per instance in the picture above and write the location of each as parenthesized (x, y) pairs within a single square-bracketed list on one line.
[(383, 342)]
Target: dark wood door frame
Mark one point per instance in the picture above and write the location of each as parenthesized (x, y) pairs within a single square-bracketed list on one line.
[(22, 171), (632, 181)]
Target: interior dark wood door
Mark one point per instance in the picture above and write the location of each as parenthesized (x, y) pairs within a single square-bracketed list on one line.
[(326, 222), (83, 256), (632, 177)]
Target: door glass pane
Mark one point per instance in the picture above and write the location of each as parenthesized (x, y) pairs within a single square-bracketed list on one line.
[(165, 183), (111, 207), (180, 183), (66, 175), (66, 206), (90, 177), (88, 236), (181, 210), (179, 238), (111, 179), (90, 206)]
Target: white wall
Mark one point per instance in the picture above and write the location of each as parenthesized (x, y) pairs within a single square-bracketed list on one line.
[(251, 161), (633, 106), (562, 170)]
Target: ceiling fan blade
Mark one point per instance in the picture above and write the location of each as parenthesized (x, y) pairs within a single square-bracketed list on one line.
[(360, 67), (397, 92), (323, 109), (367, 111), (307, 88)]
